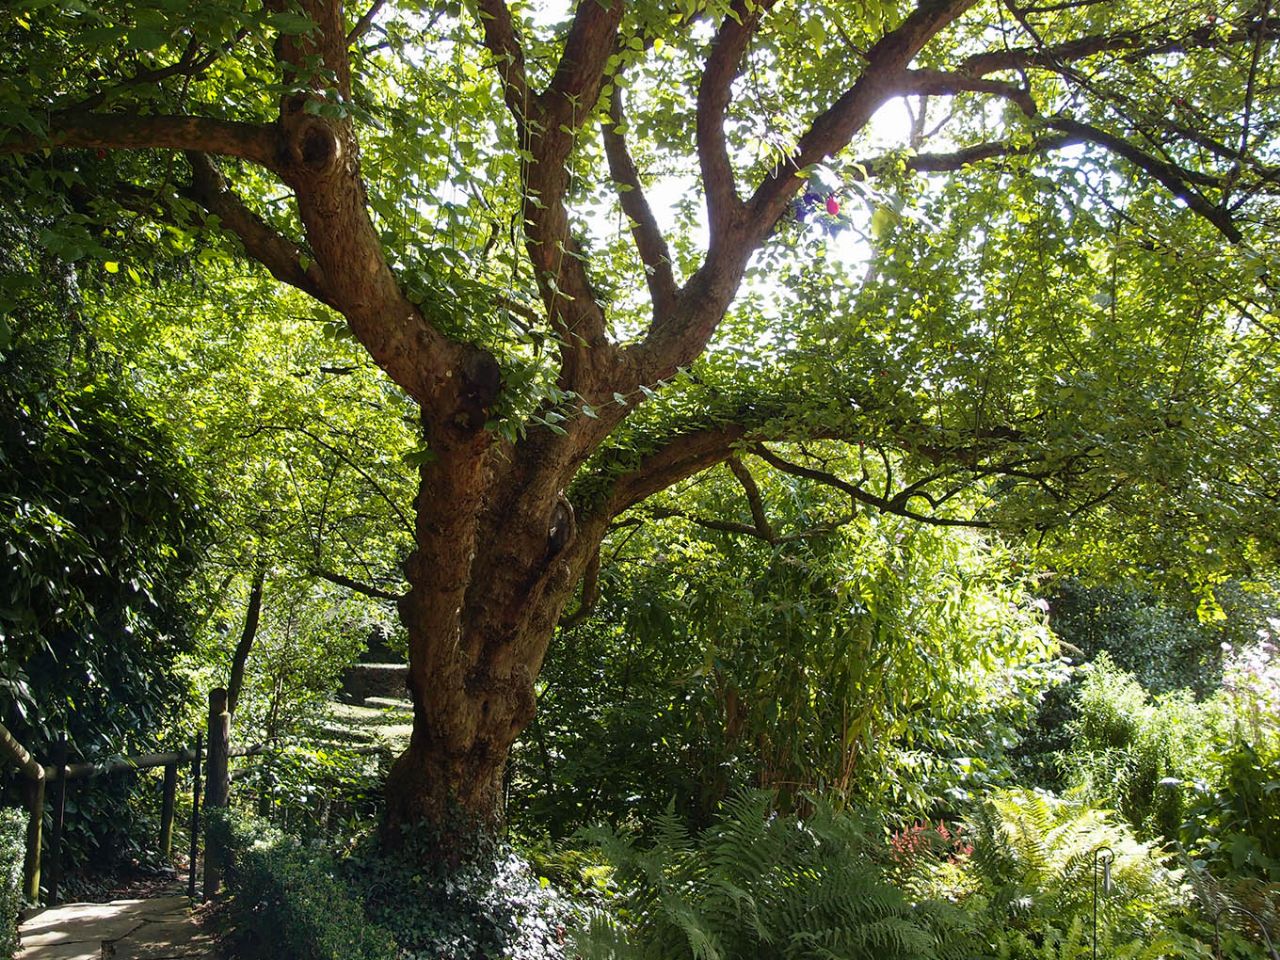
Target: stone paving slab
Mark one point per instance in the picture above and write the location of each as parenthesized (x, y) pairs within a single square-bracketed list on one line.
[(164, 941), (62, 951), (157, 929)]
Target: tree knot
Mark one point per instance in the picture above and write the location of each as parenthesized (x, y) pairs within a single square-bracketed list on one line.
[(315, 147), (563, 526)]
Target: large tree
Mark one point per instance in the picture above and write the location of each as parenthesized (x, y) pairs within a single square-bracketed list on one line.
[(1061, 306)]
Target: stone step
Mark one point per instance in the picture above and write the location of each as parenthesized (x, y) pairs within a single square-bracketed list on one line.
[(343, 734), (390, 703), (365, 680)]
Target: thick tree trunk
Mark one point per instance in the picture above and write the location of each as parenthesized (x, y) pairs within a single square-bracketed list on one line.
[(452, 784), (467, 715), (498, 554)]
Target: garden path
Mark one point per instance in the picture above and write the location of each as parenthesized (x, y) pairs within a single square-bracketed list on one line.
[(159, 928)]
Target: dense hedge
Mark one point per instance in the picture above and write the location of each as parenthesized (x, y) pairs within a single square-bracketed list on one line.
[(287, 899), (12, 824)]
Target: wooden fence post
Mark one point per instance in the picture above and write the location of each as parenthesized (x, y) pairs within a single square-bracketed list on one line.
[(217, 783), (59, 816), (35, 776), (195, 815), (35, 835), (167, 805)]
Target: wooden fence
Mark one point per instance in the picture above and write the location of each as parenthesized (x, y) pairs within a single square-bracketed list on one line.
[(212, 749)]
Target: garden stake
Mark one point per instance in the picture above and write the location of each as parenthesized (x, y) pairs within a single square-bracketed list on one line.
[(1103, 855)]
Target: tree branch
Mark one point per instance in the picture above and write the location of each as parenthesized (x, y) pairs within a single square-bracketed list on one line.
[(240, 657), (649, 241), (682, 457), (736, 231), (188, 65), (742, 529), (756, 501), (1174, 179), (254, 142), (548, 125), (504, 43), (590, 593), (950, 162), (358, 586), (834, 128), (579, 75), (1132, 44), (454, 383), (405, 521), (363, 25), (281, 256), (714, 92), (942, 83), (723, 526), (857, 494)]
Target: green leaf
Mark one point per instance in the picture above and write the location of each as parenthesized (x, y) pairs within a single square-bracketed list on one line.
[(291, 23)]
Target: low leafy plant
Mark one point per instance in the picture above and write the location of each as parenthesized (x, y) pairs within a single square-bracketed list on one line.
[(1236, 828), (761, 885), (1234, 822), (484, 901), (290, 899), (12, 823), (1029, 883), (1241, 906), (316, 791)]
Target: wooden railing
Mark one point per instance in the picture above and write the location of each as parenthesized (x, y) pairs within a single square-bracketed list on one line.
[(213, 752), (209, 762)]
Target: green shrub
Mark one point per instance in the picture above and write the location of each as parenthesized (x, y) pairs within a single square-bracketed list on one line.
[(289, 899), (1206, 775), (314, 791), (1029, 882), (1136, 754), (485, 902), (12, 849), (1235, 821), (1235, 828), (759, 886)]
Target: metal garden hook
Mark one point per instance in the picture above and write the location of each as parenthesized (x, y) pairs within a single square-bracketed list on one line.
[(1232, 908), (1104, 855)]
